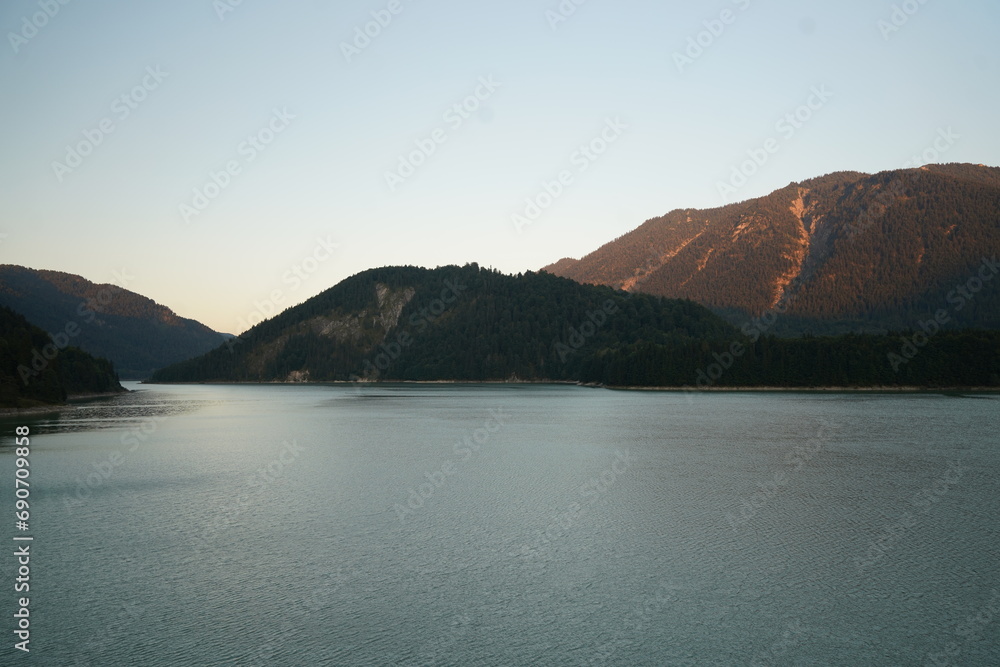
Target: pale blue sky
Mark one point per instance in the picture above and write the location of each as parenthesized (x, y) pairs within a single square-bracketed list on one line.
[(323, 175)]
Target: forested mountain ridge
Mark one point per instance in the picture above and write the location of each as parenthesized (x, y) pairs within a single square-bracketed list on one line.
[(35, 370), (472, 324), (136, 333), (846, 251), (459, 323)]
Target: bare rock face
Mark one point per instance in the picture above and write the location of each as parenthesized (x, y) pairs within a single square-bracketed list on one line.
[(298, 376), (846, 246), (364, 330)]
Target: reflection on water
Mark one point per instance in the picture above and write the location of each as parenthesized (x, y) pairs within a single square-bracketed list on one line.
[(511, 524), (109, 412)]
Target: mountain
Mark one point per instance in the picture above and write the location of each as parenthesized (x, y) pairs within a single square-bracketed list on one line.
[(842, 252), (473, 324), (134, 332), (455, 323), (37, 370)]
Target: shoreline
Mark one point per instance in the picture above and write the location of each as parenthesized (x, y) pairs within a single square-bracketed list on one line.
[(72, 403), (99, 394), (822, 390), (910, 389), (35, 410)]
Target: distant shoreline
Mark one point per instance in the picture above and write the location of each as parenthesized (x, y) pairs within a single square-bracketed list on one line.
[(686, 390), (823, 390)]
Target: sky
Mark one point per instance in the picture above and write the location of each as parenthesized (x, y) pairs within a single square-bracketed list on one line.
[(231, 158)]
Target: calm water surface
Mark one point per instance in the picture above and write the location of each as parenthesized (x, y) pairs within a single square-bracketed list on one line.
[(511, 525)]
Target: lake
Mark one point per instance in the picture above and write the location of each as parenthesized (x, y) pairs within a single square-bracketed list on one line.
[(514, 524)]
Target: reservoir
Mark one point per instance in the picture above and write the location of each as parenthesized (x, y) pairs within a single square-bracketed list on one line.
[(510, 524)]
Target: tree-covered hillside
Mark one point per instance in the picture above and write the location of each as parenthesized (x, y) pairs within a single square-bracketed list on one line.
[(136, 333), (467, 323), (843, 252), (462, 323), (35, 370)]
